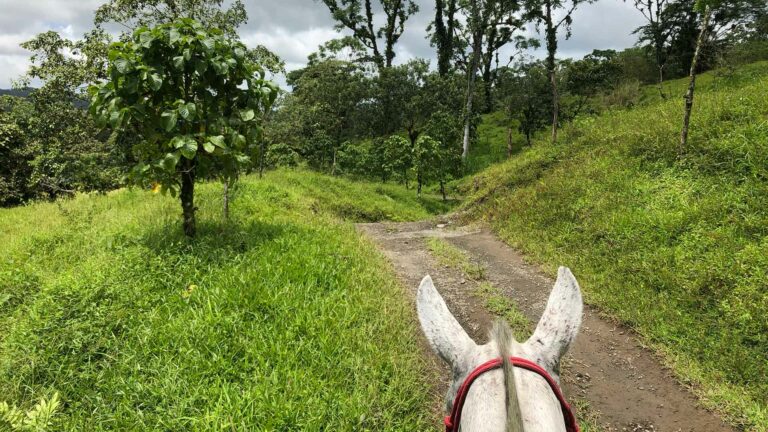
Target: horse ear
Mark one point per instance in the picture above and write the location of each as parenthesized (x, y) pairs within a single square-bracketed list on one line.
[(560, 322), (444, 333)]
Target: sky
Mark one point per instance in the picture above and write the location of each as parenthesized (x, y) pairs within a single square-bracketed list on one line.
[(294, 28)]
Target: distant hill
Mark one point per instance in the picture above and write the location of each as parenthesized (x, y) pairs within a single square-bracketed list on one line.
[(17, 92)]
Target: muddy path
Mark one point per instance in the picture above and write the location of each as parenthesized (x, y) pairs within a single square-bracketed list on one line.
[(623, 382)]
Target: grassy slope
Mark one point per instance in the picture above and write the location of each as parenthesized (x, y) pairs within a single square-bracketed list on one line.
[(284, 319), (676, 247)]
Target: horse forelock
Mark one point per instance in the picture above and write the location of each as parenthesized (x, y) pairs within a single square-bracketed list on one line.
[(504, 339)]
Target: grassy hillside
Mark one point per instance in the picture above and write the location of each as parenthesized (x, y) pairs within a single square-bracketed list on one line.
[(283, 319), (676, 246)]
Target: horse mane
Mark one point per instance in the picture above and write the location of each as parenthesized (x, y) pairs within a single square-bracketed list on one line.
[(503, 337)]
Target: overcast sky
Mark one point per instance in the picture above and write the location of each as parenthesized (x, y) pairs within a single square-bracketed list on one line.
[(294, 29)]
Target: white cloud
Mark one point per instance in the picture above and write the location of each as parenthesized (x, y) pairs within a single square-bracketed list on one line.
[(293, 47)]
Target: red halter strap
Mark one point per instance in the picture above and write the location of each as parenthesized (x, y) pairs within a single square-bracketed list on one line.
[(453, 421)]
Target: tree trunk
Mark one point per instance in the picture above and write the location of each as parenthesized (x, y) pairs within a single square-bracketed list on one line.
[(661, 82), (509, 142), (261, 158), (225, 209), (487, 88), (471, 79), (418, 188), (487, 71), (444, 26), (551, 35), (188, 196), (555, 105), (442, 189), (333, 166), (692, 83)]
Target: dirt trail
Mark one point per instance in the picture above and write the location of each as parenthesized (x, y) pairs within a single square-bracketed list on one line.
[(606, 365)]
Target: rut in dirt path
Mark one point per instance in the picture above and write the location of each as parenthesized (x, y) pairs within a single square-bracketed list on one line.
[(606, 365)]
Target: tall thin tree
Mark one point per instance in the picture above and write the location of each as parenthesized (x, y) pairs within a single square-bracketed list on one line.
[(700, 41), (544, 13), (656, 32), (359, 16)]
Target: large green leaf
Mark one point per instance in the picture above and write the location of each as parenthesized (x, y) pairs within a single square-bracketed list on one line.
[(178, 62), (146, 39), (238, 141), (218, 141), (209, 43), (247, 114), (220, 67), (209, 147), (168, 120), (169, 162), (200, 67), (122, 65), (174, 35), (192, 108), (155, 82), (116, 118), (184, 112), (189, 149), (177, 142)]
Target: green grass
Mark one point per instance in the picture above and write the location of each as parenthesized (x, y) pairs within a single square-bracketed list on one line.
[(491, 145), (453, 257), (282, 319), (504, 307), (673, 246)]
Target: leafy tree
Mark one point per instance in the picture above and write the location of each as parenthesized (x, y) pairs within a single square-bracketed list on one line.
[(705, 7), (324, 109), (69, 153), (656, 32), (132, 14), (359, 17), (444, 127), (504, 23), (527, 95), (490, 25), (478, 16), (195, 100), (426, 161), (398, 155), (545, 13), (596, 73), (681, 19), (15, 154)]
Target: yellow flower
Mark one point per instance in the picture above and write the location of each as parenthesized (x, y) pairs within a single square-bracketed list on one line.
[(156, 187), (188, 292)]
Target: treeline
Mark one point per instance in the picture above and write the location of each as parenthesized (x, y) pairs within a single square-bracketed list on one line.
[(350, 105), (353, 110)]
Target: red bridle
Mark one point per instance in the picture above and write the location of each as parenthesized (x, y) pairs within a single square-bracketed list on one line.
[(453, 421)]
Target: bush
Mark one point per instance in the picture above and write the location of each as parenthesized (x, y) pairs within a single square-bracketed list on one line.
[(281, 155), (625, 95)]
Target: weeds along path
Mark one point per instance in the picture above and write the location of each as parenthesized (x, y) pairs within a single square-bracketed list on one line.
[(616, 384)]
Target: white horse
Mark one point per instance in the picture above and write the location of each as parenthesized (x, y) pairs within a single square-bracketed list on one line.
[(510, 398)]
